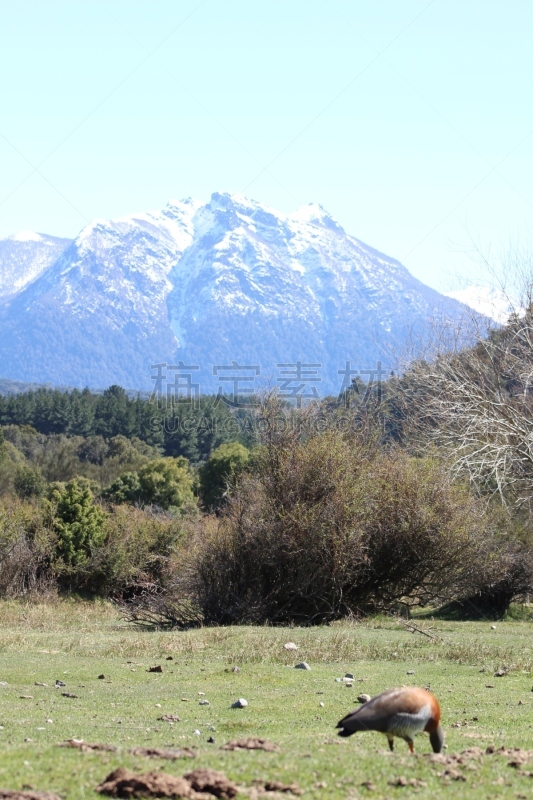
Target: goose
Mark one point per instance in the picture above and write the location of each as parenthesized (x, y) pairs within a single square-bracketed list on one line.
[(400, 712)]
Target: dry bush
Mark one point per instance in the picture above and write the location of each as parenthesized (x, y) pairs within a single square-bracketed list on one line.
[(344, 532), (137, 554), (27, 545), (328, 525)]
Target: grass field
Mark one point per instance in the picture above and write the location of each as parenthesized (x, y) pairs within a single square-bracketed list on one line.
[(77, 642)]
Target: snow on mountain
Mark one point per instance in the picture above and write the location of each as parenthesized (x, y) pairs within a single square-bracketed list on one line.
[(492, 303), (24, 256), (209, 285)]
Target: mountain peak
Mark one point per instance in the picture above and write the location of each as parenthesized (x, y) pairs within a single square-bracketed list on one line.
[(26, 236), (315, 214), (227, 282)]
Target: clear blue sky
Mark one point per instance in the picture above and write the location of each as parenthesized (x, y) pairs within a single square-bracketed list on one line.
[(390, 113)]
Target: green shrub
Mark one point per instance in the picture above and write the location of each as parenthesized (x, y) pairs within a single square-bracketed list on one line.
[(126, 489), (167, 483), (220, 471), (28, 482), (78, 522)]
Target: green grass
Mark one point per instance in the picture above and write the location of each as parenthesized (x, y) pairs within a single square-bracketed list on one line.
[(75, 642)]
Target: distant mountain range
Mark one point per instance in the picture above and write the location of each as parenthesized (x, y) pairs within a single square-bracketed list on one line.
[(209, 285), (492, 302)]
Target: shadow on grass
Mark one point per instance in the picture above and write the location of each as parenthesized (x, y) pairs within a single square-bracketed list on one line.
[(471, 610)]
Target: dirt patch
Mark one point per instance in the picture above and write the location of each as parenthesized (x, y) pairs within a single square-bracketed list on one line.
[(251, 744), (286, 788), (403, 781), (86, 747), (7, 794), (518, 757), (201, 784), (123, 783), (162, 752), (213, 782), (271, 789), (169, 718), (456, 759)]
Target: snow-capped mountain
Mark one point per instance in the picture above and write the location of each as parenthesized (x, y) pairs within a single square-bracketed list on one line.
[(24, 256), (492, 303), (212, 285)]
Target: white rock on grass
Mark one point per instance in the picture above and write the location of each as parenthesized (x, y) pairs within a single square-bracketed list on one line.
[(290, 646), (240, 703), (302, 665)]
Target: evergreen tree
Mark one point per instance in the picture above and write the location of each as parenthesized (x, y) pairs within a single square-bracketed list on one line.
[(223, 466), (78, 522)]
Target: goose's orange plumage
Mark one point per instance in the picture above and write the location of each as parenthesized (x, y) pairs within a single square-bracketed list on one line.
[(398, 712)]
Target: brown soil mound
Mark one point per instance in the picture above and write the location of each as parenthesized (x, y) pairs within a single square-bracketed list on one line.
[(213, 782), (86, 747), (8, 794), (251, 744), (201, 784), (123, 783), (278, 786), (162, 752)]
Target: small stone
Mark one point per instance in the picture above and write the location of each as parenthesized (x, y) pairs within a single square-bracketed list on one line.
[(349, 684), (339, 680), (321, 705), (489, 686), (197, 732), (157, 668), (410, 672), (493, 627), (202, 694), (28, 739), (4, 683), (40, 684), (158, 705), (364, 698), (302, 665), (212, 728), (500, 673), (349, 676), (240, 703), (236, 669), (290, 646), (211, 740), (170, 658), (101, 677), (60, 683), (204, 703), (26, 697), (50, 721)]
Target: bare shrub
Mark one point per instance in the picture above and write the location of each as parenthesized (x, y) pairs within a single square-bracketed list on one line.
[(26, 550), (330, 526), (136, 554)]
